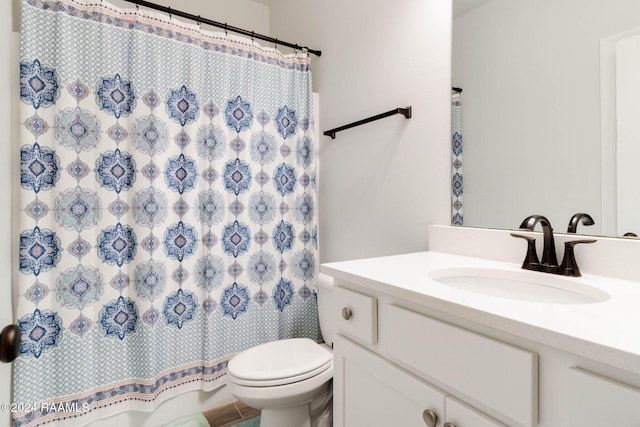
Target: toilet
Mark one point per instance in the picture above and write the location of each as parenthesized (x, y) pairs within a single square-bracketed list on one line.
[(289, 380)]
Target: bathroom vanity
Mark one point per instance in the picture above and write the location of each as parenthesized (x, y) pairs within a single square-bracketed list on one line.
[(415, 347)]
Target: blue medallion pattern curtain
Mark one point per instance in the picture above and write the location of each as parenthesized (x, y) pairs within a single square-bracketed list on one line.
[(168, 207), (457, 216)]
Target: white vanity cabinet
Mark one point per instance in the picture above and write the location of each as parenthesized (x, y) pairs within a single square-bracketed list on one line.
[(370, 389), (478, 359)]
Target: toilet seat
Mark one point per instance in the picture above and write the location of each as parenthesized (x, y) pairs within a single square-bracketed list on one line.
[(279, 362), (281, 381)]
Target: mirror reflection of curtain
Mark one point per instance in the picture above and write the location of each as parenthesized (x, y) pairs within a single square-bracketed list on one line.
[(457, 217)]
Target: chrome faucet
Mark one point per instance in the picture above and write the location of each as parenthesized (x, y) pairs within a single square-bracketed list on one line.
[(549, 264)]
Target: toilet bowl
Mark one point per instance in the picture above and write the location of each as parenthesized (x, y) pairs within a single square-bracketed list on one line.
[(289, 380)]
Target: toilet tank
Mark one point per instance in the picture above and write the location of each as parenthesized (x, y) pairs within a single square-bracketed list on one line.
[(325, 307)]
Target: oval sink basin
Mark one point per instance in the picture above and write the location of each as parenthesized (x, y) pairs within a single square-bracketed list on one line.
[(519, 285)]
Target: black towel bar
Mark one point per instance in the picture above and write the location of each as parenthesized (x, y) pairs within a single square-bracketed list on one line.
[(406, 112)]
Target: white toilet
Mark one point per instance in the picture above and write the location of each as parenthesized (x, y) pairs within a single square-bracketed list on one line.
[(289, 380)]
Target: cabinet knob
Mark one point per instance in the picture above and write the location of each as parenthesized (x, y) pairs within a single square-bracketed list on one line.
[(448, 424), (347, 313), (430, 418)]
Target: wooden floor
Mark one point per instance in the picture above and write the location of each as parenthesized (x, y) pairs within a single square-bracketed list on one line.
[(226, 416)]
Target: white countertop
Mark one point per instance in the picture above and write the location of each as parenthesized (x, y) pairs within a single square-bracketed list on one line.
[(607, 332)]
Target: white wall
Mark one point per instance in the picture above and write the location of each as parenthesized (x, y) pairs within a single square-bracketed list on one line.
[(530, 71), (381, 184)]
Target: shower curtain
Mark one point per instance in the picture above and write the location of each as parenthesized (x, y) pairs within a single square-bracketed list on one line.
[(457, 217), (168, 207)]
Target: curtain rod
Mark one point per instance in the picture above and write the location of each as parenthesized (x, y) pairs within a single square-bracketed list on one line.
[(226, 27), (456, 89)]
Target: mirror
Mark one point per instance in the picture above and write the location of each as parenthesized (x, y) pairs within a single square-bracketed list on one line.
[(541, 110)]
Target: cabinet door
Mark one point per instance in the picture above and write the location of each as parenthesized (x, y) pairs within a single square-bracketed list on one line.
[(369, 391), (457, 414), (595, 401), (497, 375)]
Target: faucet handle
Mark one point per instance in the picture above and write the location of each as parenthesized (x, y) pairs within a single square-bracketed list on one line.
[(531, 258), (569, 266)]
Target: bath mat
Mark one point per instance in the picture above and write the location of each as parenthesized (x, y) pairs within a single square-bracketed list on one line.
[(254, 422), (193, 421)]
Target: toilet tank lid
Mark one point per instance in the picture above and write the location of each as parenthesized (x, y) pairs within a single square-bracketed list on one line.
[(279, 359)]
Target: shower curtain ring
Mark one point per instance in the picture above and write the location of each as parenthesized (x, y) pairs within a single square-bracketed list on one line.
[(170, 17), (225, 30), (252, 33), (199, 22)]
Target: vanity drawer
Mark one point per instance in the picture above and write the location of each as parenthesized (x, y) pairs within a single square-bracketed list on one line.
[(461, 415), (600, 401), (499, 376), (357, 315)]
